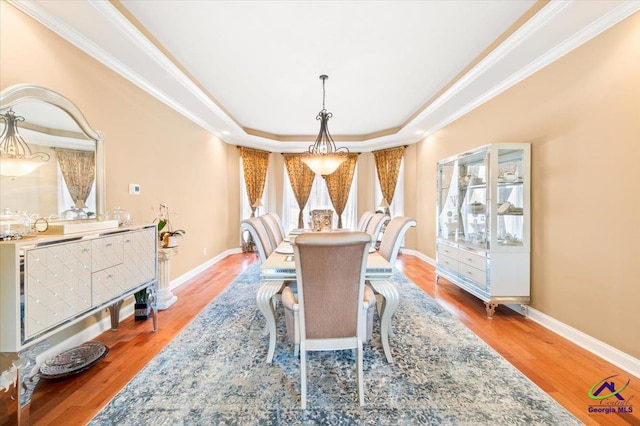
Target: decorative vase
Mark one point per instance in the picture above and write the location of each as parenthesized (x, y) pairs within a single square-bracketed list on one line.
[(172, 242), (142, 311)]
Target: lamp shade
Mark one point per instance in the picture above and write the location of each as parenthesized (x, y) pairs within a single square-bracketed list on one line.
[(16, 158), (18, 167), (324, 164)]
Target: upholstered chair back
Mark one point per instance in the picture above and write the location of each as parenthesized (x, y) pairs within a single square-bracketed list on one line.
[(331, 270), (375, 225), (278, 222), (274, 229), (364, 220), (260, 236), (393, 235)]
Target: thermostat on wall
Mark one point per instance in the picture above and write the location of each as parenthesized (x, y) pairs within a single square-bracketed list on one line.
[(134, 189)]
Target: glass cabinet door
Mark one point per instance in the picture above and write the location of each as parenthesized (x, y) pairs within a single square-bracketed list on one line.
[(474, 206), (511, 197), (448, 201)]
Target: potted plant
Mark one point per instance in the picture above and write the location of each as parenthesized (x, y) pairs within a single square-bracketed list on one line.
[(167, 235), (142, 307)]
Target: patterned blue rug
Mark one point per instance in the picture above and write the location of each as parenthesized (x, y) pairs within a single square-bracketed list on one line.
[(214, 373)]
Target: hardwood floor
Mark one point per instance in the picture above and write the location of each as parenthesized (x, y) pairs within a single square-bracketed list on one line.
[(561, 368)]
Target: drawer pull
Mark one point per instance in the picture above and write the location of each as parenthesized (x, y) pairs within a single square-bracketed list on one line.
[(469, 259), (108, 244), (127, 241), (109, 276), (85, 250)]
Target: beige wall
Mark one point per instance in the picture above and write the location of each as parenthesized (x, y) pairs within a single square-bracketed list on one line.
[(146, 142), (582, 117), (580, 114)]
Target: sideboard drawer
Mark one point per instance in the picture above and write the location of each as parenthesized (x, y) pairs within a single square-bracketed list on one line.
[(475, 260), (478, 276), (448, 251), (105, 284), (447, 262), (106, 252)]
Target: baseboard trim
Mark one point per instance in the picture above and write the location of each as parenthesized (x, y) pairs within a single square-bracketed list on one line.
[(420, 256), (195, 271), (593, 345)]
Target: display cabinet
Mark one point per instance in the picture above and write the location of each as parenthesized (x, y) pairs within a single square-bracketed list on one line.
[(483, 239)]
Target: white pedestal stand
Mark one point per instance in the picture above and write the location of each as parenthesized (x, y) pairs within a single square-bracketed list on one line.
[(165, 297)]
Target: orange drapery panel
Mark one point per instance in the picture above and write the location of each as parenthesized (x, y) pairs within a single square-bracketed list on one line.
[(301, 179), (79, 171), (388, 167), (254, 165), (339, 184)]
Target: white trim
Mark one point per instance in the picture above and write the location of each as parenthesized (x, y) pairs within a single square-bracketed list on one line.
[(198, 269), (419, 255), (534, 25), (595, 346), (591, 344)]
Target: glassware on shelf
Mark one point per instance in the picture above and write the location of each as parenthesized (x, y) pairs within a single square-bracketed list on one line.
[(14, 225), (122, 216)]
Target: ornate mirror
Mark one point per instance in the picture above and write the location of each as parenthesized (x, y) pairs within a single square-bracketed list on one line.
[(68, 181)]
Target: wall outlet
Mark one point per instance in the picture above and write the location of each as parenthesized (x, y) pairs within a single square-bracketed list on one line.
[(204, 251), (134, 189)]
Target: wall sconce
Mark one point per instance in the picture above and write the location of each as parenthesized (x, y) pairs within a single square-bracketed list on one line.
[(16, 158)]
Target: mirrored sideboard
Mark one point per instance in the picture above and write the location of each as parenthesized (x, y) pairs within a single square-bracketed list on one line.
[(51, 282)]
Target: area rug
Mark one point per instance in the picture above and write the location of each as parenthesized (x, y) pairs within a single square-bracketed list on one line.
[(214, 373)]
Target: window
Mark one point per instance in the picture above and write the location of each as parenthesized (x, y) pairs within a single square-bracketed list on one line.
[(318, 199), (396, 208)]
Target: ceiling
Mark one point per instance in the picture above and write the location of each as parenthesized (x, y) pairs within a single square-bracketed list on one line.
[(248, 71)]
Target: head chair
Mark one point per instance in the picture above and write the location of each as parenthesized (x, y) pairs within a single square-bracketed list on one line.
[(330, 269)]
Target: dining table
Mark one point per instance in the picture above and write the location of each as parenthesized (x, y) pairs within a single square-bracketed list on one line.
[(280, 268)]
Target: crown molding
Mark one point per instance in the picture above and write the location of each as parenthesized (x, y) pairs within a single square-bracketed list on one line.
[(450, 105), (530, 28)]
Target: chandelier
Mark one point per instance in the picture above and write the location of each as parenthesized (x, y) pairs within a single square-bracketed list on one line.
[(16, 158), (323, 157)]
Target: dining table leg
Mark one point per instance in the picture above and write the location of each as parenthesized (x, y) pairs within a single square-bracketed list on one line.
[(265, 293), (389, 291)]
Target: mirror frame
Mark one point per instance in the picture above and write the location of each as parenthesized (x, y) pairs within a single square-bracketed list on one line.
[(13, 95)]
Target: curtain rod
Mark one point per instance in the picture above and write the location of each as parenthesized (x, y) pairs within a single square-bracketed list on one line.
[(240, 146)]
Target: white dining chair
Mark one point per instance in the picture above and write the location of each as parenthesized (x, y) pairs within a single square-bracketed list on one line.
[(375, 226), (258, 231), (364, 220), (330, 270), (272, 222)]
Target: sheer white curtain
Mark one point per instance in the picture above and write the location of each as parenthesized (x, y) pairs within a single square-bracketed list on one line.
[(318, 199), (396, 208)]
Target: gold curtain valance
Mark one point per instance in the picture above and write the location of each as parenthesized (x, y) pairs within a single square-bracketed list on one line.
[(301, 179), (388, 166), (339, 184), (78, 171), (254, 166)]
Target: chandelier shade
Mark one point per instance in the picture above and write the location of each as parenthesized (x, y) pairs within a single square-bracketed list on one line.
[(16, 158), (323, 157)]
